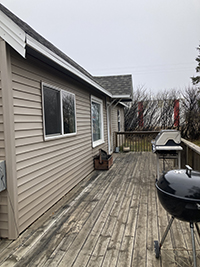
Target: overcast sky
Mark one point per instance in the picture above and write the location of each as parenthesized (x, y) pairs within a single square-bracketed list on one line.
[(154, 40)]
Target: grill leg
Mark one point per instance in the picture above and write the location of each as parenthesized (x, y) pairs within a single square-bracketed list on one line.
[(193, 244), (158, 247), (158, 166), (198, 231), (166, 231)]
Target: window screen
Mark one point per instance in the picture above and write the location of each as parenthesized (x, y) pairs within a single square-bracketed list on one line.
[(52, 111), (59, 112)]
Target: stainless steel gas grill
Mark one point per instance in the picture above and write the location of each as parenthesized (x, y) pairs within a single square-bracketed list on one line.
[(167, 146)]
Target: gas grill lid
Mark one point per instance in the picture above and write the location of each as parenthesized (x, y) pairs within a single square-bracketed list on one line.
[(168, 137), (167, 140)]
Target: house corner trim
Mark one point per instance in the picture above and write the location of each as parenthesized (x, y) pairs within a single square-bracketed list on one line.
[(9, 139)]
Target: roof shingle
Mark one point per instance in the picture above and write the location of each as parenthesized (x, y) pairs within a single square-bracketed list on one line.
[(30, 31), (117, 85)]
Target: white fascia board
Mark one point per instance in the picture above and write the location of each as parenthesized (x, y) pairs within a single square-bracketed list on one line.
[(61, 62), (12, 34), (121, 96)]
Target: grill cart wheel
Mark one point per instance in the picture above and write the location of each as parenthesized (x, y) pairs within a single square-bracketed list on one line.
[(157, 249)]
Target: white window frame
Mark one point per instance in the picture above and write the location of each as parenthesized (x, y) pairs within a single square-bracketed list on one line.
[(62, 134), (101, 140)]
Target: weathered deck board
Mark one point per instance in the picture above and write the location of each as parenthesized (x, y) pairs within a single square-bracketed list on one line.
[(111, 220)]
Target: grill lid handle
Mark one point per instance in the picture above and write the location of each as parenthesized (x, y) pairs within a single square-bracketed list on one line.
[(188, 170)]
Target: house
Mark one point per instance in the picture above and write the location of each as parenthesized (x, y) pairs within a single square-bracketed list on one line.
[(54, 118), (120, 86)]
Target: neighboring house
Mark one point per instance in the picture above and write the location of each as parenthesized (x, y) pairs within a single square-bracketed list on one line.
[(159, 113), (53, 120)]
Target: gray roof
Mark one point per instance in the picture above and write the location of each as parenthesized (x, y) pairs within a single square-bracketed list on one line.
[(117, 85), (30, 31)]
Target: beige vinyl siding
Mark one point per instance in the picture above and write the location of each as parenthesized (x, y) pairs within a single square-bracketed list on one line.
[(3, 214), (47, 170), (115, 118), (3, 195), (2, 145)]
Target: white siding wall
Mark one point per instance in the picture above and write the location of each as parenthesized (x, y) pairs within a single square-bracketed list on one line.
[(47, 170), (115, 118), (114, 121), (122, 118), (104, 146)]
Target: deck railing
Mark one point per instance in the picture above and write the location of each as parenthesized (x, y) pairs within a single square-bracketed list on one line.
[(190, 155), (139, 141), (136, 141)]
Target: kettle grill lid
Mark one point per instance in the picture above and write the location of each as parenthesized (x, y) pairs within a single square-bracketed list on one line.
[(181, 183)]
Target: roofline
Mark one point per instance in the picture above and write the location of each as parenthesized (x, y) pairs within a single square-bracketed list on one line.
[(31, 42), (18, 39), (12, 34)]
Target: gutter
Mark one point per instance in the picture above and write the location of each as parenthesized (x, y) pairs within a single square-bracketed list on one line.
[(31, 42)]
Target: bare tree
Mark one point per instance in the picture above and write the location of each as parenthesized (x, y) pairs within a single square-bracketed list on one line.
[(166, 105), (148, 112), (142, 114), (131, 113), (190, 127)]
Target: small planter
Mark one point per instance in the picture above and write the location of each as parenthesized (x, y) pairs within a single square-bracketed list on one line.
[(103, 161), (126, 148)]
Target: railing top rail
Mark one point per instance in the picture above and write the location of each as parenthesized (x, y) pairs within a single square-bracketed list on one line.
[(138, 132), (191, 145)]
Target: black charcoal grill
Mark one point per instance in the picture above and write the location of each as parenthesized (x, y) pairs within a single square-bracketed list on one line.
[(167, 146), (179, 194)]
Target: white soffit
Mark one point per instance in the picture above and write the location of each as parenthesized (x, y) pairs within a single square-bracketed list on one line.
[(12, 34)]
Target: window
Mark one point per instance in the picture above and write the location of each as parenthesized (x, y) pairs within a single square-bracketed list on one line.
[(68, 104), (59, 112), (97, 121), (118, 120)]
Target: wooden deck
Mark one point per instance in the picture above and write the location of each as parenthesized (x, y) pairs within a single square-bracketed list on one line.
[(111, 219)]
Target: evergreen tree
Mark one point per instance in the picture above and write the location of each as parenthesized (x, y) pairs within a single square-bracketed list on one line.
[(196, 80)]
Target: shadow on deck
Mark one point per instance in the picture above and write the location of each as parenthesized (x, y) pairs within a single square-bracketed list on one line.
[(110, 219)]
